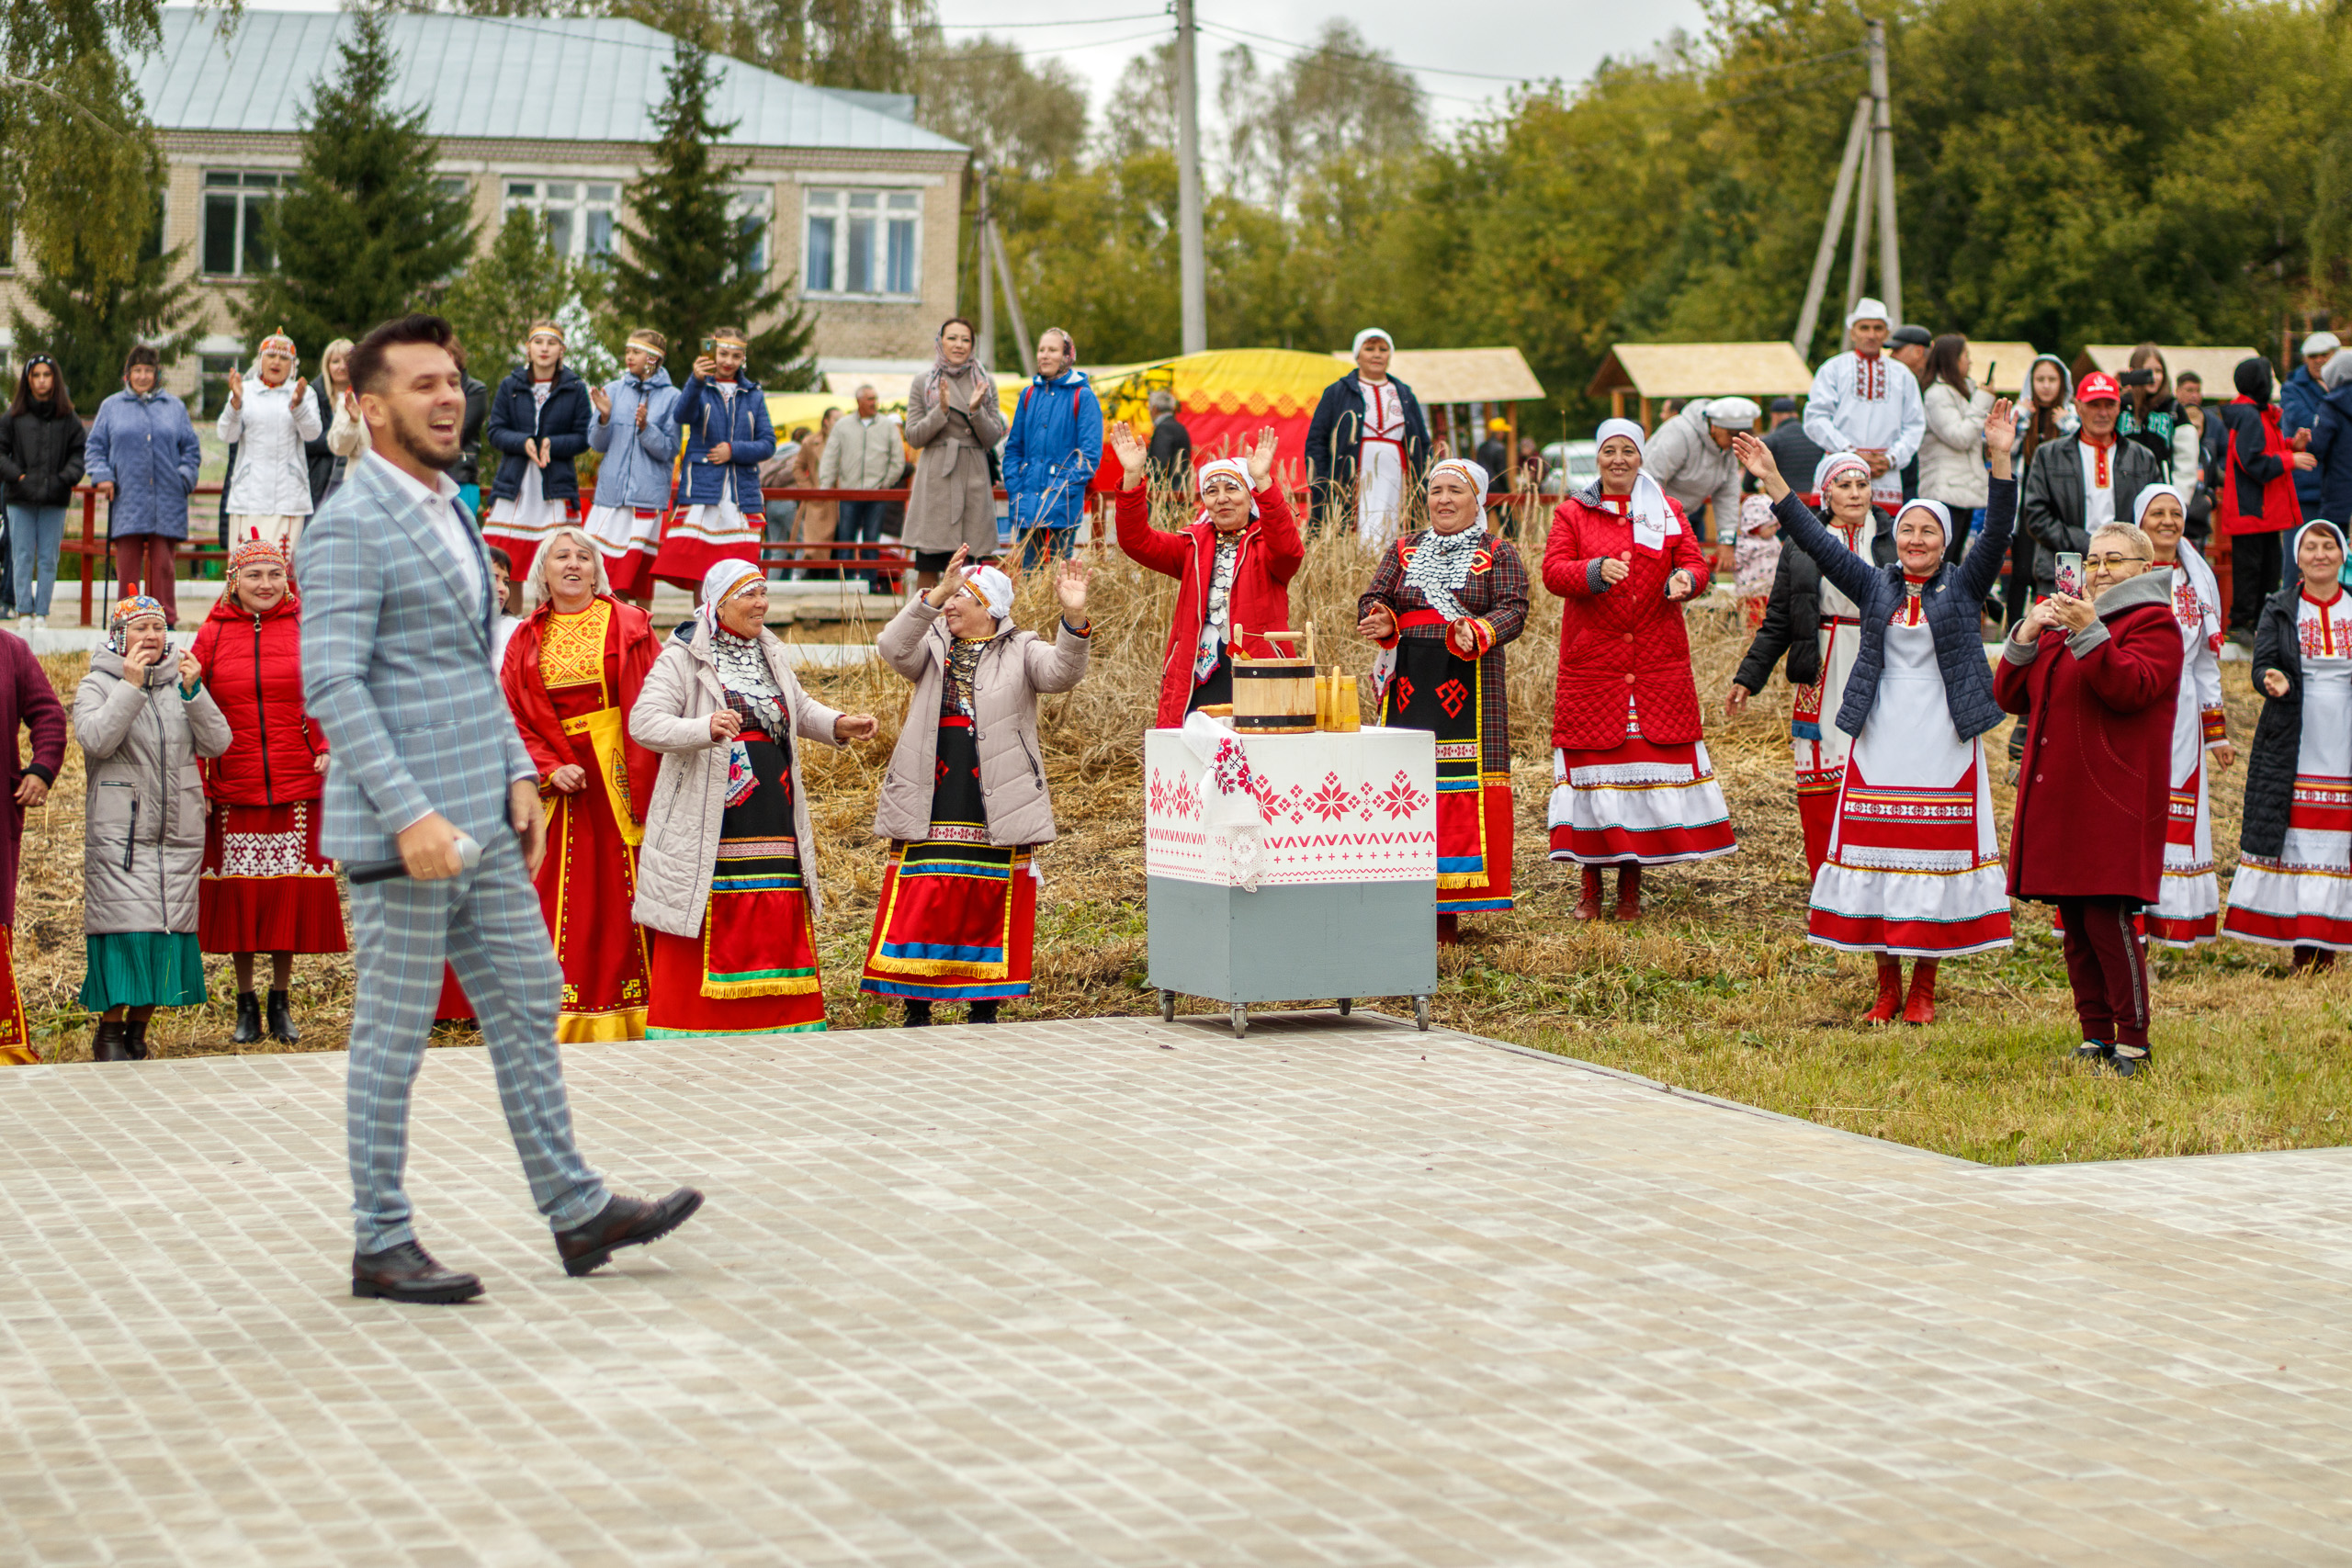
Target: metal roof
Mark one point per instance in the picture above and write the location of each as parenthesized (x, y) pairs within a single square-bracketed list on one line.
[(506, 78)]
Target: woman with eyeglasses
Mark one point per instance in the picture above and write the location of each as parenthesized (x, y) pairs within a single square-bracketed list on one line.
[(2293, 886), (1915, 859), (2097, 676)]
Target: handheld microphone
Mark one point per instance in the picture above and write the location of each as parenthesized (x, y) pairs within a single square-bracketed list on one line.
[(469, 856)]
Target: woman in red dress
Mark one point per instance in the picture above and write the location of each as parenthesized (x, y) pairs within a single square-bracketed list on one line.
[(574, 670), (1633, 784), (265, 886)]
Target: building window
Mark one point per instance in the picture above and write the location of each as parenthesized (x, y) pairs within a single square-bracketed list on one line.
[(236, 209), (751, 208), (862, 241), (578, 214)]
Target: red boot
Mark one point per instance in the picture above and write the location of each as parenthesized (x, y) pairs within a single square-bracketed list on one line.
[(1589, 906), (1921, 1008), (1890, 990), (1449, 930), (1629, 891)]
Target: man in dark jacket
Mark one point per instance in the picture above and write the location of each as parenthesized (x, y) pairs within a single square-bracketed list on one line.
[(1169, 457), (2332, 440), (2299, 403), (2078, 484), (1791, 448), (467, 474), (1367, 408)]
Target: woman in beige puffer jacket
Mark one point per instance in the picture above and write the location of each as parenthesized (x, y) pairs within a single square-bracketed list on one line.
[(726, 877), (964, 802), (143, 717)]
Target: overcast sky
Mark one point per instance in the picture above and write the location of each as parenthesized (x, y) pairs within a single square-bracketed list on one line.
[(1535, 38), (1514, 38)]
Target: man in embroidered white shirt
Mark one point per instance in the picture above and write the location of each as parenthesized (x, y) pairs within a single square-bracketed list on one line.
[(1368, 433), (1864, 402)]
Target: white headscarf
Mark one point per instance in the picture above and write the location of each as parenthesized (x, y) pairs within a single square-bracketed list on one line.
[(1366, 336), (1835, 463), (2295, 547), (1653, 518), (1479, 477), (993, 588), (2140, 507), (1934, 509), (1233, 468), (723, 582)]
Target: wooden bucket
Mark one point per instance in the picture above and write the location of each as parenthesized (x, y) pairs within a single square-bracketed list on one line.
[(1273, 696)]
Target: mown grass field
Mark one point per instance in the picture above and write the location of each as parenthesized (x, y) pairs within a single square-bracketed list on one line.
[(1714, 990)]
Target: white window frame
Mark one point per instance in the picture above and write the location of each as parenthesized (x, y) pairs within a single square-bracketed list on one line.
[(895, 211), (745, 203), (579, 205), (248, 181)]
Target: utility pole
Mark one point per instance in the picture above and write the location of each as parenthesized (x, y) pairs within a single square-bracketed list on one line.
[(984, 342), (1857, 271), (1193, 265), (1822, 258), (995, 237), (1890, 259)]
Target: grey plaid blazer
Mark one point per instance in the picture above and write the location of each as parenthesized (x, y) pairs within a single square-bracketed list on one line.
[(396, 669)]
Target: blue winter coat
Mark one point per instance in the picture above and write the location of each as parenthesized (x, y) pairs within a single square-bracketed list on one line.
[(2299, 403), (147, 448), (709, 419), (635, 470), (2332, 445), (1052, 450), (1953, 600), (515, 417)]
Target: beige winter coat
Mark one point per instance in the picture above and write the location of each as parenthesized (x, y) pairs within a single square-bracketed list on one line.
[(952, 500), (672, 717), (1016, 668), (143, 835)]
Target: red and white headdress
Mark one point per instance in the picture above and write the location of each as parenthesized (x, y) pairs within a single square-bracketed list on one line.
[(277, 343), (254, 548)]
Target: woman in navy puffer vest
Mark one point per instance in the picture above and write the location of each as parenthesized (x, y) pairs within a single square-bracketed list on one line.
[(1915, 857)]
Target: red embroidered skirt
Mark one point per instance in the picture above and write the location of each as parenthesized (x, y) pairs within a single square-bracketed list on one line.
[(265, 886), (16, 1039)]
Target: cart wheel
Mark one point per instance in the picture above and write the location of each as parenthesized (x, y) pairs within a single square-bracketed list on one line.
[(1240, 1019), (1167, 1006), (1422, 1013), (1347, 1005)]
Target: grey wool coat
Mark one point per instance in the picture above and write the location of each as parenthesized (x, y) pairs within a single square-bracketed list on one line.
[(1014, 670), (952, 500), (672, 717), (142, 837)]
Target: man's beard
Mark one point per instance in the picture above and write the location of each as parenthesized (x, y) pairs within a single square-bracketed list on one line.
[(415, 438)]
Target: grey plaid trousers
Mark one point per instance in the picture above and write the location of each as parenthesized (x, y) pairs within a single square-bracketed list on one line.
[(487, 923)]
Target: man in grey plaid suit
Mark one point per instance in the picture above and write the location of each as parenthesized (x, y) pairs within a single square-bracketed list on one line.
[(396, 634)]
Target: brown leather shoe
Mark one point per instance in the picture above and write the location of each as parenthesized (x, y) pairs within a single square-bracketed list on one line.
[(625, 1222), (407, 1273)]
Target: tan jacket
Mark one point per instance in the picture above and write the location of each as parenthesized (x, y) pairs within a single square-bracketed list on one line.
[(1014, 669), (143, 834), (952, 500), (672, 717)]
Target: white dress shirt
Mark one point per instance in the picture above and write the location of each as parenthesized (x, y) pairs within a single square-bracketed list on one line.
[(2099, 484)]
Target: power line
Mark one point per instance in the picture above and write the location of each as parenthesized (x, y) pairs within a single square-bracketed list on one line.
[(1364, 64), (1330, 52), (1086, 22)]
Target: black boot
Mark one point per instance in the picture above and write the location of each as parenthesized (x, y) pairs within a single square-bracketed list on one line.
[(248, 1027), (983, 1011), (281, 1018), (134, 1039), (107, 1045), (918, 1013)]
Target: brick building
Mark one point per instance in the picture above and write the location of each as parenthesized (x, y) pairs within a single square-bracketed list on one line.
[(860, 205)]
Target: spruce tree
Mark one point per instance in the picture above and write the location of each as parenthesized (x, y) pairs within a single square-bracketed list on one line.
[(88, 318), (682, 267), (520, 279), (365, 233)]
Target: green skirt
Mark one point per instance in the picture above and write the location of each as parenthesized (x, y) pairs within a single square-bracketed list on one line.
[(142, 969)]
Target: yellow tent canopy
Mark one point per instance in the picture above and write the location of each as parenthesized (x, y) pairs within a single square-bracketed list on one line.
[(2216, 366)]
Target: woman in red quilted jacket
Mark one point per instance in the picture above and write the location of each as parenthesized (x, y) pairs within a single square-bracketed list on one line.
[(1632, 782), (1233, 567), (266, 888)]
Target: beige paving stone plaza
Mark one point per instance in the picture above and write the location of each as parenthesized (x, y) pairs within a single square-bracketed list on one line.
[(1126, 1292)]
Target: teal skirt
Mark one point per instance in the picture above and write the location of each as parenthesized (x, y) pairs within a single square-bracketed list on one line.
[(142, 969)]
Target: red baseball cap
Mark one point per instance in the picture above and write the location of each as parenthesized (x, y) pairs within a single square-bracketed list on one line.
[(2098, 387)]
